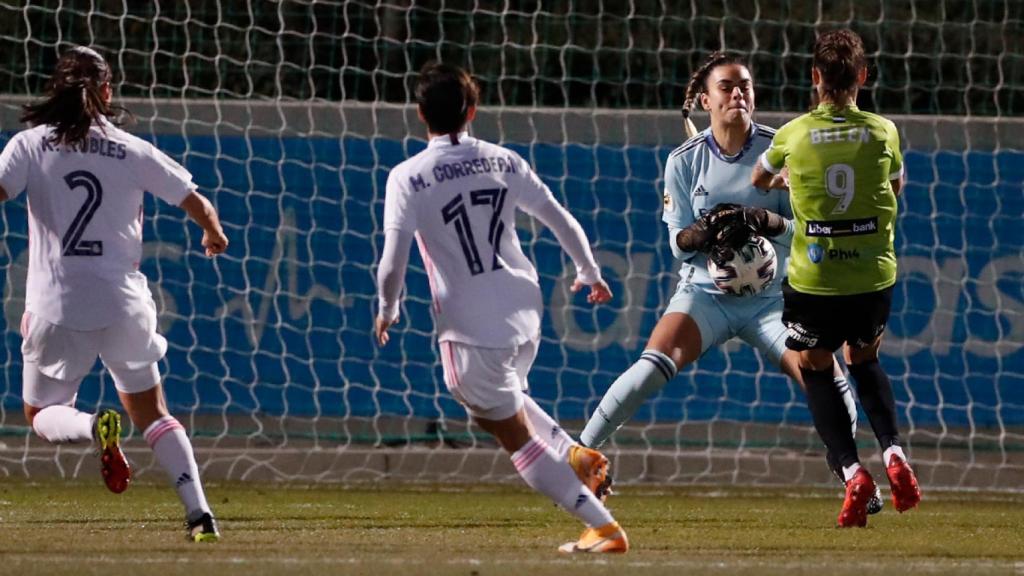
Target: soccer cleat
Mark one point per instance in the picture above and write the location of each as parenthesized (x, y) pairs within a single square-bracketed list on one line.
[(591, 468), (903, 484), (875, 504), (608, 539), (113, 465), (859, 491), (202, 529)]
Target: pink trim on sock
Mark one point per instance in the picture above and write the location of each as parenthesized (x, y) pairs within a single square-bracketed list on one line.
[(162, 426), (529, 454)]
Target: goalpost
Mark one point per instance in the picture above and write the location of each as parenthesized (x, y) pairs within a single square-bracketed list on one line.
[(291, 114)]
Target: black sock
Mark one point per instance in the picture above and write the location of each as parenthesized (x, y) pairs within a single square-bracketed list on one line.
[(831, 419), (834, 466), (876, 397)]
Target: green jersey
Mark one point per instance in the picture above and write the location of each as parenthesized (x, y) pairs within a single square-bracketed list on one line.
[(841, 164)]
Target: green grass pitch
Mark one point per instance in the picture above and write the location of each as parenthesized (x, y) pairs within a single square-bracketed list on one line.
[(56, 528)]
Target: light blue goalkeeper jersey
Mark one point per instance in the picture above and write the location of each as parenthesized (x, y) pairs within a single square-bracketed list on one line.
[(698, 176)]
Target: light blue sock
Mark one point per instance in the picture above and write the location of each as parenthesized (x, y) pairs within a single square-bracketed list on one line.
[(644, 378)]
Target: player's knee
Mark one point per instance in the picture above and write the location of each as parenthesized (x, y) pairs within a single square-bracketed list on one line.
[(817, 359), (862, 355)]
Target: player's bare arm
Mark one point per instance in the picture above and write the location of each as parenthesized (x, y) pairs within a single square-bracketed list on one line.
[(765, 180), (897, 185), (202, 211), (3, 194)]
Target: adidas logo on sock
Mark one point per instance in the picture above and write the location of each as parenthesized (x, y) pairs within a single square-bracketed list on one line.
[(183, 479), (581, 500)]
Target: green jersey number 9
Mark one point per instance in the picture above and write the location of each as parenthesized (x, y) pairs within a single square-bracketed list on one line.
[(839, 184)]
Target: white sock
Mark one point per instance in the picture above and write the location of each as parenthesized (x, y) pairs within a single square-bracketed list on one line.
[(63, 425), (888, 454), (849, 471), (552, 476), (641, 380), (173, 451), (546, 427)]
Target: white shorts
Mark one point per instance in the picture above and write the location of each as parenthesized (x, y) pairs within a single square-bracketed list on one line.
[(756, 320), (489, 382), (56, 359)]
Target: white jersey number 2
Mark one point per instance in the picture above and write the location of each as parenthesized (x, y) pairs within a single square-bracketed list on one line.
[(455, 213), (72, 242)]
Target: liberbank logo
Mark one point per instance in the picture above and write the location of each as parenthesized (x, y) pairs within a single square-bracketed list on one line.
[(837, 228)]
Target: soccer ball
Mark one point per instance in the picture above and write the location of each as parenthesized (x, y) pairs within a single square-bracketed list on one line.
[(750, 270)]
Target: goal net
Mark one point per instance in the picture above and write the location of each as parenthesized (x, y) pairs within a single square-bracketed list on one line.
[(290, 114)]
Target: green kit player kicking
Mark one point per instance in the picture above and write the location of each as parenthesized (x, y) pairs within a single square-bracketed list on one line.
[(845, 173)]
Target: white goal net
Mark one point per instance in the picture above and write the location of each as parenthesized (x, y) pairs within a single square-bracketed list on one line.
[(290, 114)]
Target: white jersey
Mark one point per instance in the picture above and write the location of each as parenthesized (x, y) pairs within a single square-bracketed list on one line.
[(85, 220), (459, 199)]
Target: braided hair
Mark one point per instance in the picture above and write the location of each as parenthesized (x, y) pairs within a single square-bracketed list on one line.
[(73, 97), (699, 78)]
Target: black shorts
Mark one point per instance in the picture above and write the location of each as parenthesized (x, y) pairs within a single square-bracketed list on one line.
[(827, 321)]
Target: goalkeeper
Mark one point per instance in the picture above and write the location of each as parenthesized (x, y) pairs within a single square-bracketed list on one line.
[(710, 207)]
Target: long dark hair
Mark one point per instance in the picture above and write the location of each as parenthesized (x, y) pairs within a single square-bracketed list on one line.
[(444, 93), (73, 99), (699, 78), (839, 58)]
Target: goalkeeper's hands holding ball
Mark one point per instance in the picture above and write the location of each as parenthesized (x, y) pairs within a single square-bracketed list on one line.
[(726, 227)]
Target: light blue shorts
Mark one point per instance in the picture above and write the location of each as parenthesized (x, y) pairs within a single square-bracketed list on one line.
[(755, 320)]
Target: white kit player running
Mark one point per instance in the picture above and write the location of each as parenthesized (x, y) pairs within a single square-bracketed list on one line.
[(458, 199), (85, 297)]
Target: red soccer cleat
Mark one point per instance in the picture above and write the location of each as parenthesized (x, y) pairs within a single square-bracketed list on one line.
[(906, 494), (859, 491), (113, 465)]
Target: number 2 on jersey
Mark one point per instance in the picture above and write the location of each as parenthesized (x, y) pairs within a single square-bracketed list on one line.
[(456, 214), (72, 243)]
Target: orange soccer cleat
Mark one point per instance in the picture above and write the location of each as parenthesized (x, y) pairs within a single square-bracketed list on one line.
[(608, 539), (591, 468)]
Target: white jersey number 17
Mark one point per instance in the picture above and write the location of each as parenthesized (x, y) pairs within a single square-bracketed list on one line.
[(456, 214)]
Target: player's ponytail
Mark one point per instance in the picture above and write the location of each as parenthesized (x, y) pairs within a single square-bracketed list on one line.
[(839, 58), (74, 100), (445, 94)]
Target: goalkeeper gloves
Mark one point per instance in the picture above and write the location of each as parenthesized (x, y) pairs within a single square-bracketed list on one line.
[(726, 227)]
